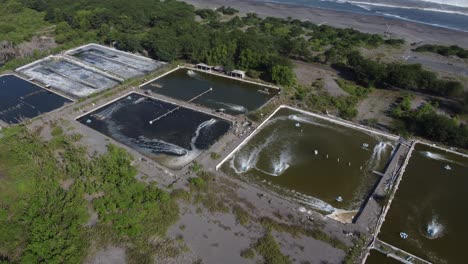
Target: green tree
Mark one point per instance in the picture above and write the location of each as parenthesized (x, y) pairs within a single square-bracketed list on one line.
[(283, 75)]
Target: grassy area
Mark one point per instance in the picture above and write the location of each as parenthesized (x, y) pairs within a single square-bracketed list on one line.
[(242, 216), (269, 249), (43, 220), (316, 98), (295, 230), (18, 23), (248, 253)]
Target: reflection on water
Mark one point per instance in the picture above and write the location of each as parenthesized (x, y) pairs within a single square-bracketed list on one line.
[(313, 160), (174, 140)]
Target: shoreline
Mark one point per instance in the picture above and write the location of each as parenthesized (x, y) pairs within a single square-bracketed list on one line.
[(412, 32)]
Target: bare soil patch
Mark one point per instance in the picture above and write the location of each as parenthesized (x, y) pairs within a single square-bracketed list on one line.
[(376, 107), (308, 73)]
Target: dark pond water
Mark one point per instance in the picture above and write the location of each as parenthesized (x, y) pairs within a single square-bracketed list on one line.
[(316, 160), (376, 257), (20, 100), (235, 97), (174, 140), (431, 207)]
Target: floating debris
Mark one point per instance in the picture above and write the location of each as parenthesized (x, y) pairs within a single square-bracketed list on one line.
[(339, 199), (88, 121), (316, 152), (298, 125), (302, 210), (447, 167), (403, 235), (365, 145)]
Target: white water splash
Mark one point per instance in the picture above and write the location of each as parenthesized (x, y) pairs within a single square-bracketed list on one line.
[(435, 156), (247, 161), (280, 165), (434, 229), (156, 146), (379, 150), (234, 107), (306, 119), (193, 74)]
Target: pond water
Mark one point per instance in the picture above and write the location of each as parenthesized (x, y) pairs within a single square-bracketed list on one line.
[(174, 140), (322, 164), (236, 97), (21, 100), (430, 206), (377, 257)]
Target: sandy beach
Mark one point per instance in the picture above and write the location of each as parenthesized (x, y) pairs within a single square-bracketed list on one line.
[(411, 31)]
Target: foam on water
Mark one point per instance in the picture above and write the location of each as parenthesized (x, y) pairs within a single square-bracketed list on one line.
[(460, 3), (191, 154), (109, 111), (315, 203)]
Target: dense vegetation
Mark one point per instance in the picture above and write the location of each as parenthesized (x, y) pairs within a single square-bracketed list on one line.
[(405, 76), (19, 23), (426, 122), (167, 30), (47, 188), (315, 97), (444, 50)]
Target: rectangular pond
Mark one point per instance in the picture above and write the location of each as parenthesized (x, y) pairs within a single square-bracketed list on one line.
[(68, 77), (123, 64), (21, 100), (235, 97), (430, 206), (321, 164), (177, 137)]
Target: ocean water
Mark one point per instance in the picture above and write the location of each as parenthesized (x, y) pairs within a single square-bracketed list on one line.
[(451, 14)]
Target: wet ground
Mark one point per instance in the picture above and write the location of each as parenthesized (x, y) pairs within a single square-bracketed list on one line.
[(430, 207), (235, 97), (175, 136), (21, 100), (313, 160)]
